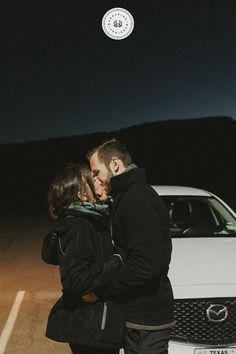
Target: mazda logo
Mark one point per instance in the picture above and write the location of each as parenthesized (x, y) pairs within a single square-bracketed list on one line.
[(217, 313)]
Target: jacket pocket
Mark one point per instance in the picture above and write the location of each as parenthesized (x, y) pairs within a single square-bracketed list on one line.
[(104, 316)]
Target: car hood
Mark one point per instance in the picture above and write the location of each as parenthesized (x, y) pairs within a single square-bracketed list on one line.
[(203, 267)]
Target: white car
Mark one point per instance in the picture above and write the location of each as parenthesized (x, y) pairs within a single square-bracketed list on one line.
[(202, 271)]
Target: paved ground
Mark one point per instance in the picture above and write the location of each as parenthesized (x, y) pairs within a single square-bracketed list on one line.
[(23, 273), (21, 269)]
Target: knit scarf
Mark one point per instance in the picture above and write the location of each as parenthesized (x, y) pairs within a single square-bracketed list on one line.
[(95, 209)]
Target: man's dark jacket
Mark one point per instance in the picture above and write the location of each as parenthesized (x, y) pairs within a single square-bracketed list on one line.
[(141, 233)]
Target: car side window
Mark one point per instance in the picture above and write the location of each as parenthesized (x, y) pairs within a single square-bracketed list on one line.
[(202, 214), (194, 217)]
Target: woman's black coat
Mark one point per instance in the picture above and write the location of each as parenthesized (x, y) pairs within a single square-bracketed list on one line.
[(86, 264)]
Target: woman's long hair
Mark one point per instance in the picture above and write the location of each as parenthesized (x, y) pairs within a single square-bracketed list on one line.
[(64, 189)]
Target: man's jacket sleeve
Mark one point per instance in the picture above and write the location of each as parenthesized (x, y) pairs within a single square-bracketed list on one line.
[(144, 223)]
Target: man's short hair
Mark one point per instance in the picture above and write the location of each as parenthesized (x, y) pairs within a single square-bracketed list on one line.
[(108, 150)]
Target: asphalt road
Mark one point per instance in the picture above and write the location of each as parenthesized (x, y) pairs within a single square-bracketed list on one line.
[(21, 269), (23, 274)]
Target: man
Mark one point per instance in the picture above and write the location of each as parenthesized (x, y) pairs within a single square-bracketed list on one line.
[(141, 234)]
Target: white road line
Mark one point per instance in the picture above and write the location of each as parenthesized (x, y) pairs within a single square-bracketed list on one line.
[(6, 333)]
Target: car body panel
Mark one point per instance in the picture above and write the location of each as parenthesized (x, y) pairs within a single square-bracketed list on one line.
[(180, 190), (202, 267), (197, 271)]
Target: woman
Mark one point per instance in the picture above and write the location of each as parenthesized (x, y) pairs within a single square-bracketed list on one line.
[(87, 262)]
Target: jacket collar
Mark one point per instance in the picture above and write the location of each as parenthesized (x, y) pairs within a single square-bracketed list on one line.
[(96, 213), (124, 180)]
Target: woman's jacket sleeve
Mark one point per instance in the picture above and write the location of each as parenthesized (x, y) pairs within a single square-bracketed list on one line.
[(81, 270)]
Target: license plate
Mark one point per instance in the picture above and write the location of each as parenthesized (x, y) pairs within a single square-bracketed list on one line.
[(215, 351)]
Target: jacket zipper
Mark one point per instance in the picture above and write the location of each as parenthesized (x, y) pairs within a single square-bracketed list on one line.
[(104, 316)]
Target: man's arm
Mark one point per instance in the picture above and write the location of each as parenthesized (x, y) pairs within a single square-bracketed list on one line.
[(144, 224)]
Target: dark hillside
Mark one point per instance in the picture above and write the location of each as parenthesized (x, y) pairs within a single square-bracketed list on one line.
[(197, 152)]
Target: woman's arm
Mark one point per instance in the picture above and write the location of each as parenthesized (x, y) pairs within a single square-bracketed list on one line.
[(79, 267), (81, 273), (105, 277)]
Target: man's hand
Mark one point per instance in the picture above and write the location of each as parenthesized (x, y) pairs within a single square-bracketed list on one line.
[(89, 298)]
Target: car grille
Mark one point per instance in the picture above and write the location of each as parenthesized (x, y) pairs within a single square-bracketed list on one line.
[(193, 325)]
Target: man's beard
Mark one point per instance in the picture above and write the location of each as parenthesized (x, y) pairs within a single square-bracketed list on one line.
[(106, 183)]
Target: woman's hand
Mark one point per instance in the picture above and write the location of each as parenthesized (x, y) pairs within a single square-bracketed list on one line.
[(89, 298)]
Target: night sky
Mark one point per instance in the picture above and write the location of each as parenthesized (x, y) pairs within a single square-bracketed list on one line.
[(61, 75)]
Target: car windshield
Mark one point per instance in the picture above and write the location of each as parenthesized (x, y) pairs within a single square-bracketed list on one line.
[(192, 216)]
